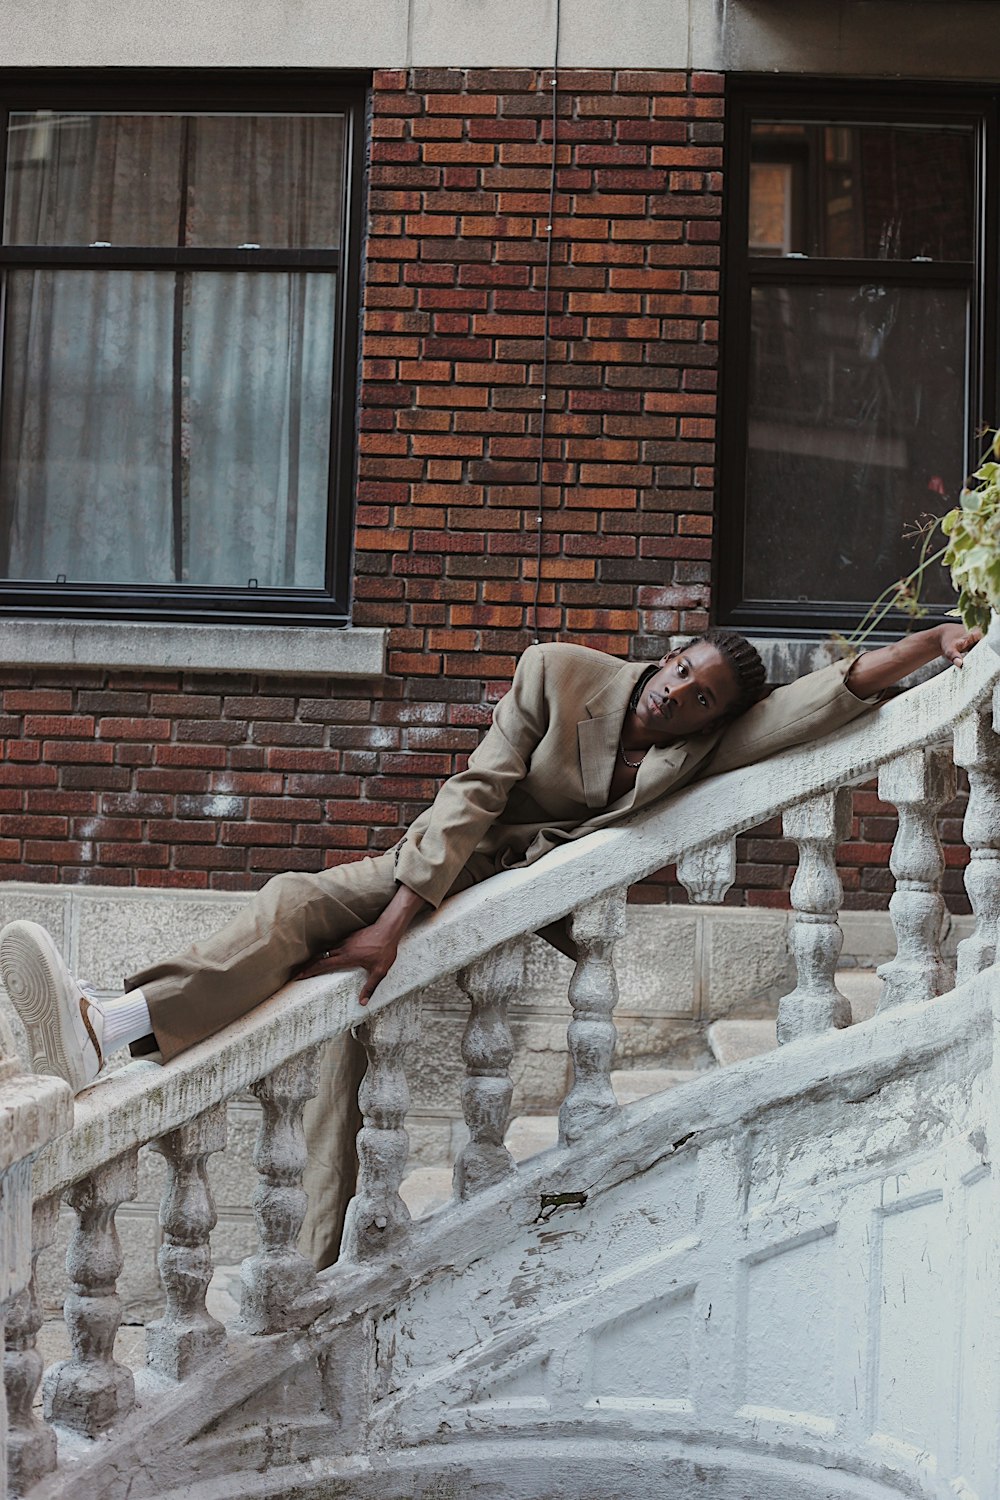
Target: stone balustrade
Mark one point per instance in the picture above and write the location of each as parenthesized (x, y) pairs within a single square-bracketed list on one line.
[(90, 1162)]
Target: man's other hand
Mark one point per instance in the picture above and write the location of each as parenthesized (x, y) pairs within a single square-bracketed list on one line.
[(957, 642), (371, 949)]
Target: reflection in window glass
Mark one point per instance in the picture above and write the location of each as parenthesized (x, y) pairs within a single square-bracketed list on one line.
[(118, 466), (877, 192), (207, 180), (856, 423), (771, 190)]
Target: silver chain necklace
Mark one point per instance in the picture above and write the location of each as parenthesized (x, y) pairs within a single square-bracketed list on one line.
[(633, 765), (633, 704)]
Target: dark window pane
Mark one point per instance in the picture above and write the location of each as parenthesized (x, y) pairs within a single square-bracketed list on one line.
[(80, 179), (857, 421), (270, 180), (884, 192), (219, 181), (121, 465)]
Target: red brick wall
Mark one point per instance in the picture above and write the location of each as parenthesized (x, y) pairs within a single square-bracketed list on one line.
[(446, 537), (198, 782)]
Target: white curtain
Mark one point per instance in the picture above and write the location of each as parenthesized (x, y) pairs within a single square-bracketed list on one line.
[(161, 427)]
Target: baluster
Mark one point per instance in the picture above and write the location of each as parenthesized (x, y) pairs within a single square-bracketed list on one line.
[(707, 873), (377, 1216), (487, 1049), (31, 1443), (815, 1004), (977, 748), (917, 784), (187, 1333), (593, 992), (91, 1390), (279, 1273)]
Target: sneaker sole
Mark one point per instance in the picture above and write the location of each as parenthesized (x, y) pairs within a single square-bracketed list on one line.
[(34, 977)]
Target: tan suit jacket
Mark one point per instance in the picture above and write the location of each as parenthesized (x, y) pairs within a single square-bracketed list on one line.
[(542, 774)]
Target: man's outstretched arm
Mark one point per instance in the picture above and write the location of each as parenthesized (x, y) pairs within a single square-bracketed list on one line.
[(877, 670)]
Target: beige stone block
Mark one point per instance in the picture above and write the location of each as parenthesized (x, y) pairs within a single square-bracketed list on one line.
[(231, 34), (224, 1293), (658, 1041), (747, 960), (863, 988), (657, 962), (481, 35), (152, 1176), (139, 1283), (949, 39), (116, 935), (231, 1173), (22, 903), (538, 1070), (631, 34), (436, 1069), (433, 1140), (869, 939), (547, 974), (756, 35), (234, 1238)]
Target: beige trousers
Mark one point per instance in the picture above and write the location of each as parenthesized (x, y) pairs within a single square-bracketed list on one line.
[(294, 917)]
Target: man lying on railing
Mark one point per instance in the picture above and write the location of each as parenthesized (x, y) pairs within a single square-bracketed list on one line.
[(581, 741)]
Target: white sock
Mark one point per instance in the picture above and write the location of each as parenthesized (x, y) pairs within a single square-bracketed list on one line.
[(126, 1019)]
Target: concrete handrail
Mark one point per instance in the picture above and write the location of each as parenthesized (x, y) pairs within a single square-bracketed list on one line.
[(144, 1100)]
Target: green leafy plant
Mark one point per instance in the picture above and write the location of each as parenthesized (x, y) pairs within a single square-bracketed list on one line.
[(971, 554)]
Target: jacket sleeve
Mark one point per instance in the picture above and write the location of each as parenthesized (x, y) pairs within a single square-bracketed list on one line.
[(440, 841), (808, 709)]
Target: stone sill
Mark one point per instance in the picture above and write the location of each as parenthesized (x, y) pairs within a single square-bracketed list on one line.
[(274, 650)]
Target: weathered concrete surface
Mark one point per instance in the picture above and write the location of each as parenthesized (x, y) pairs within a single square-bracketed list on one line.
[(299, 651), (865, 38)]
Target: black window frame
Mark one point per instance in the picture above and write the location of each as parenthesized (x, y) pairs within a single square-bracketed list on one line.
[(751, 97), (290, 91)]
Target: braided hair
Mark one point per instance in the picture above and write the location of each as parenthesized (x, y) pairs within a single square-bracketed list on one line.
[(742, 660)]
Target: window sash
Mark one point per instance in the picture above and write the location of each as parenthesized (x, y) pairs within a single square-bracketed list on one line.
[(884, 103), (284, 93)]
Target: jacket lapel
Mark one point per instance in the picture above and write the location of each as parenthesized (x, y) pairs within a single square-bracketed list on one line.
[(598, 734)]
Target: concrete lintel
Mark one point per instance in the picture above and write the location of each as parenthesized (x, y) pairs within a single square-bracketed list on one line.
[(948, 39), (272, 649)]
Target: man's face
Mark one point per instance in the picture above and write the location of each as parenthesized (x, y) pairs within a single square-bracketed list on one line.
[(689, 691)]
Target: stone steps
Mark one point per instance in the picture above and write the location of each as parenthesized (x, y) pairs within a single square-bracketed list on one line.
[(736, 1040), (427, 1188)]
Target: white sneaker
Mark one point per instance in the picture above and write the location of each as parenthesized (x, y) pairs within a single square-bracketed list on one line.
[(65, 1026)]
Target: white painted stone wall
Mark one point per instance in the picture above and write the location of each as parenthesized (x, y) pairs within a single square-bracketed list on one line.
[(798, 1255)]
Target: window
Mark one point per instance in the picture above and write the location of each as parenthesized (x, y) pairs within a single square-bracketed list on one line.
[(858, 358), (180, 273)]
